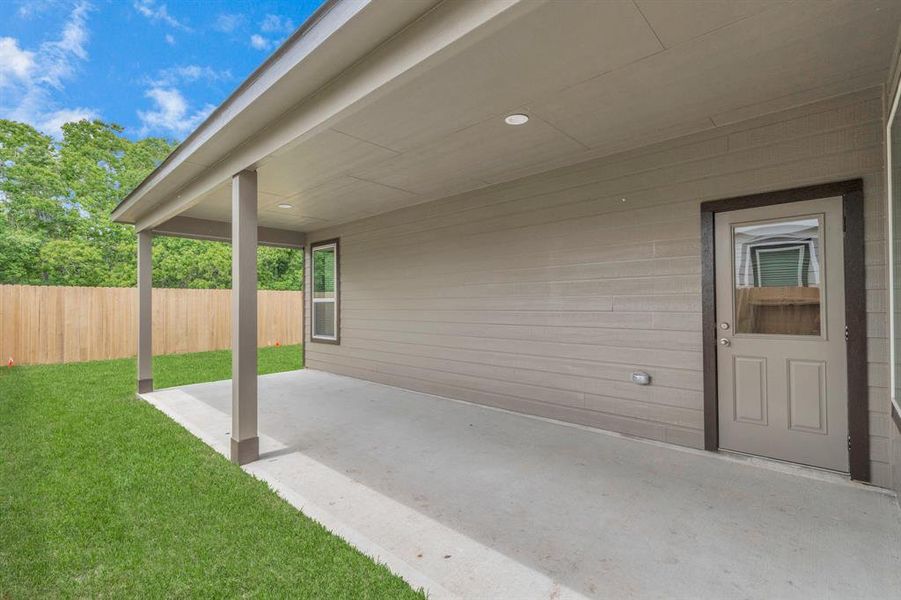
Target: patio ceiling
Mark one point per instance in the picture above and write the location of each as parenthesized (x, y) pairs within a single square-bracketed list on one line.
[(426, 117)]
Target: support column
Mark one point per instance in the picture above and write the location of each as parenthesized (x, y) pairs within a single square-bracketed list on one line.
[(245, 445), (145, 312)]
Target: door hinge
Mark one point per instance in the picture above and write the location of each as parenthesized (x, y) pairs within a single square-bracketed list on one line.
[(849, 442), (847, 333)]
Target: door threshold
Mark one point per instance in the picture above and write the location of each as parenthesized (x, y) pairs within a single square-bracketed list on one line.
[(807, 471), (786, 463)]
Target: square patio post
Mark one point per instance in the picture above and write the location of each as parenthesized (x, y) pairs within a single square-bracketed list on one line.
[(145, 312), (245, 443)]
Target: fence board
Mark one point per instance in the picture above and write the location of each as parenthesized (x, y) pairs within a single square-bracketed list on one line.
[(47, 324)]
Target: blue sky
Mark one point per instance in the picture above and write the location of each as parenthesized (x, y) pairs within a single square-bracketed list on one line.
[(156, 68)]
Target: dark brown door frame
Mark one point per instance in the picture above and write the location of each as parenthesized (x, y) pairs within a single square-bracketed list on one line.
[(851, 192)]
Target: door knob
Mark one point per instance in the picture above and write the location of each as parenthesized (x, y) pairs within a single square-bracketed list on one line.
[(725, 342)]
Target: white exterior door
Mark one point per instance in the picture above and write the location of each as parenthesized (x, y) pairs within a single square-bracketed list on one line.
[(780, 309)]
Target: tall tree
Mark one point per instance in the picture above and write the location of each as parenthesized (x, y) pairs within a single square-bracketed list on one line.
[(55, 202)]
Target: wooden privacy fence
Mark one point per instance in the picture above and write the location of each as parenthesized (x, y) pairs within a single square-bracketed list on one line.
[(43, 324)]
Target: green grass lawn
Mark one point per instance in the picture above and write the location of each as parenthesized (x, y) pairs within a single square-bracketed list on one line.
[(102, 495)]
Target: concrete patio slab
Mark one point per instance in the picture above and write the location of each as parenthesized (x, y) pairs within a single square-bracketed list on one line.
[(472, 502)]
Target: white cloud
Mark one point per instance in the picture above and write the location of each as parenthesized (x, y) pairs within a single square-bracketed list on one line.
[(171, 113), (170, 39), (158, 13), (28, 78), (58, 57), (54, 121), (16, 64), (31, 8), (259, 42), (188, 74), (275, 27), (276, 24), (226, 22)]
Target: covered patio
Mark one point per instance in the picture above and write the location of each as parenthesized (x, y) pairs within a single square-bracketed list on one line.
[(502, 210), (470, 501)]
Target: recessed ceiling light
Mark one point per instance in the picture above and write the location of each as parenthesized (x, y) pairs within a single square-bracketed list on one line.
[(516, 119), (285, 205)]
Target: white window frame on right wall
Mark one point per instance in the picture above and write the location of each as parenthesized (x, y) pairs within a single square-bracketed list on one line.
[(891, 250), (324, 245)]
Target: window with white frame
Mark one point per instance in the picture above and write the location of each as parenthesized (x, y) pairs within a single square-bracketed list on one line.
[(325, 291), (893, 172)]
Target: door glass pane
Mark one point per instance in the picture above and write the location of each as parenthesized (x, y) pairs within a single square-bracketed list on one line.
[(778, 274)]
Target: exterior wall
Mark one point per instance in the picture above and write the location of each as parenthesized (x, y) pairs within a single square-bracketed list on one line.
[(543, 294)]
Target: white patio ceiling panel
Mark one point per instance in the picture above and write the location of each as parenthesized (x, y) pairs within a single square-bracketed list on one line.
[(596, 78)]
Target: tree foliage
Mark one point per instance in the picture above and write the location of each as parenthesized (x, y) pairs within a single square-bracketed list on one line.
[(55, 202)]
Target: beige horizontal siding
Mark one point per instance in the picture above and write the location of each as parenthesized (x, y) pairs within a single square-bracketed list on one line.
[(543, 294)]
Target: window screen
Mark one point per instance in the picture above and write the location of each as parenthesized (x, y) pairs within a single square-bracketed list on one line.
[(325, 292)]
